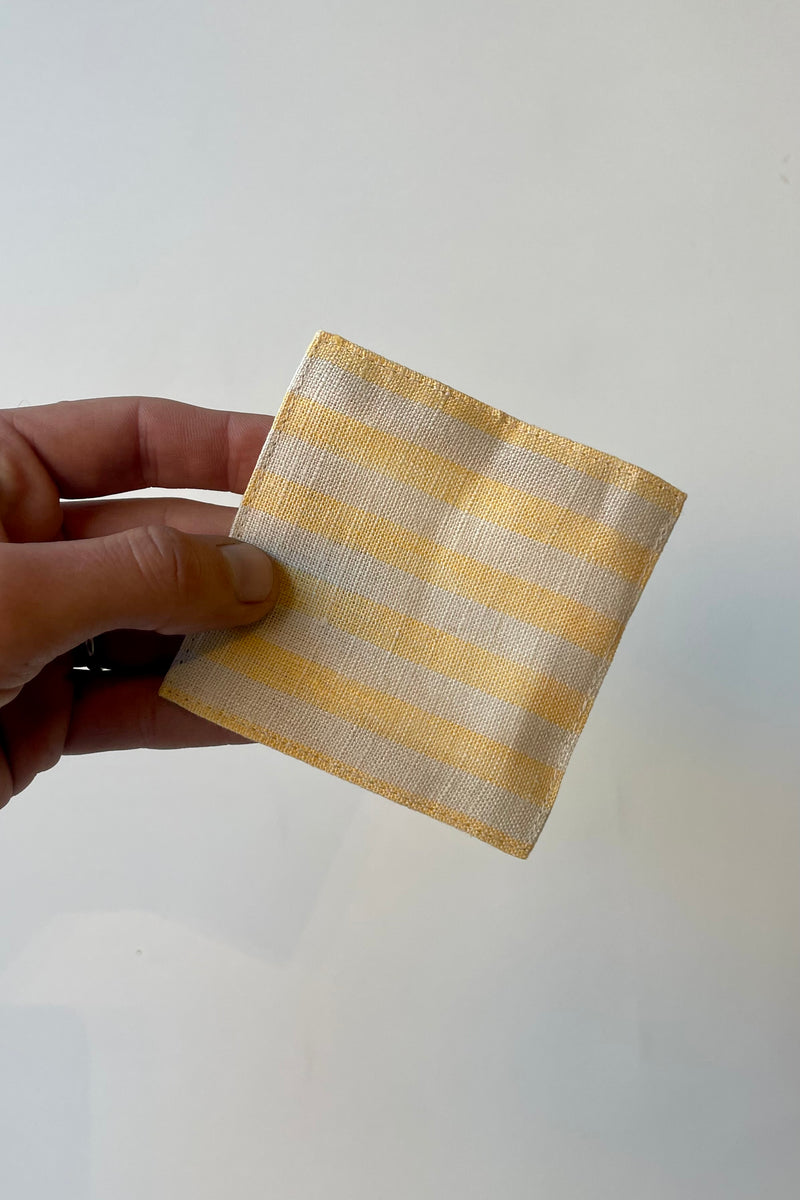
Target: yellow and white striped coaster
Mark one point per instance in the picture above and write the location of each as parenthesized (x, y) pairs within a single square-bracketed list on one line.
[(453, 585)]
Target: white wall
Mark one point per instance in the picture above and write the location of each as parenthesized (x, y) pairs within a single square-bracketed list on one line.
[(225, 973)]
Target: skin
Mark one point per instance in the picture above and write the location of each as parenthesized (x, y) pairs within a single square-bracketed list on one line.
[(134, 573)]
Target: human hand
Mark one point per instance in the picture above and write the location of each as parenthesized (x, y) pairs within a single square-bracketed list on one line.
[(137, 573)]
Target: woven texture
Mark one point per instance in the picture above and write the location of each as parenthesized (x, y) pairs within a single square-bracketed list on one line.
[(453, 582)]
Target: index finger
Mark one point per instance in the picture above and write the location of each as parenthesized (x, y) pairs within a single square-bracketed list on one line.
[(120, 443)]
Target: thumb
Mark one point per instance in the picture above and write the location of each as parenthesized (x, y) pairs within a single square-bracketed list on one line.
[(54, 595)]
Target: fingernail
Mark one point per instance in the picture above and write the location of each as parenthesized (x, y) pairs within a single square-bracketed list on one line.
[(251, 570)]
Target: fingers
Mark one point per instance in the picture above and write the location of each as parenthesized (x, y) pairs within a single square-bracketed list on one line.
[(63, 711), (132, 651), (121, 443), (33, 728), (98, 518), (54, 595), (127, 714)]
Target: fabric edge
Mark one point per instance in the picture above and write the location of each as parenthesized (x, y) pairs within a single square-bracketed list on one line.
[(670, 498), (469, 825)]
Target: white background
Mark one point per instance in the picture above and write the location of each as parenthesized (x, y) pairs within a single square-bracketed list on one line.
[(224, 973)]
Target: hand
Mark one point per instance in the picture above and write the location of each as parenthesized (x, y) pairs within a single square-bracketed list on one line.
[(139, 571)]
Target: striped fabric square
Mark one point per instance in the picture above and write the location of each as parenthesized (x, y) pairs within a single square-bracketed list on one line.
[(453, 584)]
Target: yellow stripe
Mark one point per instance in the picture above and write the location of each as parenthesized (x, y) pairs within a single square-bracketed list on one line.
[(268, 737), (389, 717), (404, 635), (473, 493), (374, 368), (425, 559)]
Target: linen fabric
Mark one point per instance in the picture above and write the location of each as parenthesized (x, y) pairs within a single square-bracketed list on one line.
[(453, 584)]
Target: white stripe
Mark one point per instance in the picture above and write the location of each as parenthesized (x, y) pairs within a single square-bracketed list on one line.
[(476, 450), (327, 733), (416, 684), (501, 549), (360, 573)]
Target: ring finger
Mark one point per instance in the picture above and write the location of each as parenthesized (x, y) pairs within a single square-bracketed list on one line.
[(128, 652)]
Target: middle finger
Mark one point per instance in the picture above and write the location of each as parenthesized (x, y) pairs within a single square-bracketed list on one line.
[(98, 518)]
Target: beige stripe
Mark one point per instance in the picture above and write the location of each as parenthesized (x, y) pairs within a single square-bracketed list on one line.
[(445, 435), (432, 518), (404, 723), (268, 709), (358, 572), (439, 652), (392, 542), (494, 503), (413, 385), (428, 690)]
